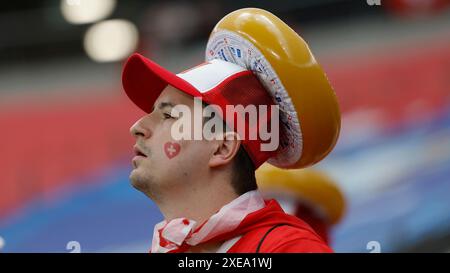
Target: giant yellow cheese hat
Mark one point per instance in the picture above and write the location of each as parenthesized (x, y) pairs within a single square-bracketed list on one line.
[(309, 112)]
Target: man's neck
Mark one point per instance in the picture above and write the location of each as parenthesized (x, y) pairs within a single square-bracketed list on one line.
[(197, 204)]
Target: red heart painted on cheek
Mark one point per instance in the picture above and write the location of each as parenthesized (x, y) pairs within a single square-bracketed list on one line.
[(171, 149)]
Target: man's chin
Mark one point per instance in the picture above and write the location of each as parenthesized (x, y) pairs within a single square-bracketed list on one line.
[(144, 185), (137, 180)]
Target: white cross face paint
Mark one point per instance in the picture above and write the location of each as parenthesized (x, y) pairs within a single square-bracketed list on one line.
[(171, 149)]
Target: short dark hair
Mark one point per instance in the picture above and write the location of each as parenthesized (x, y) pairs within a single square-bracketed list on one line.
[(243, 179), (243, 173)]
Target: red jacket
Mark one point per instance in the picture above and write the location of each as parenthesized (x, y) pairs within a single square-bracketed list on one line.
[(292, 236)]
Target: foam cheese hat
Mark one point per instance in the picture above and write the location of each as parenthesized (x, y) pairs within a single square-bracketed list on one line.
[(260, 42)]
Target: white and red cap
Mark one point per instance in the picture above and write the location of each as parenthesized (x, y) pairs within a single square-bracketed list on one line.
[(216, 82)]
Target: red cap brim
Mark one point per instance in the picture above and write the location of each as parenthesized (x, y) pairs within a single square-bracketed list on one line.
[(144, 80)]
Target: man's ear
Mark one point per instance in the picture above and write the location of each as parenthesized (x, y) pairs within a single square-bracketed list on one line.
[(225, 150)]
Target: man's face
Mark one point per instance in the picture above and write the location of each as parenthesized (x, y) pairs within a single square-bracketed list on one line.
[(163, 164)]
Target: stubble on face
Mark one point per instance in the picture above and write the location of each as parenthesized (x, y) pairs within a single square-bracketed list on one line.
[(157, 184), (142, 180)]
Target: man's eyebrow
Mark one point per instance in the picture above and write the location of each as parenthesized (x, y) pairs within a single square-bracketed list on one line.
[(163, 104)]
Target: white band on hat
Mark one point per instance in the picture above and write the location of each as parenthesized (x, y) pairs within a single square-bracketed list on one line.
[(208, 75)]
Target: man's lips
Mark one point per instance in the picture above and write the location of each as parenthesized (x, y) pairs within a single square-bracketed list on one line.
[(138, 151), (138, 155)]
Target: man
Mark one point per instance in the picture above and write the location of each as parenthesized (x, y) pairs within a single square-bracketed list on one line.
[(206, 187)]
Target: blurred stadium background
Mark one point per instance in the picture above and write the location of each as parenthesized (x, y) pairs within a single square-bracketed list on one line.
[(65, 149)]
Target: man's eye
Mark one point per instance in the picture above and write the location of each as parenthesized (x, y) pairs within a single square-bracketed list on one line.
[(166, 116)]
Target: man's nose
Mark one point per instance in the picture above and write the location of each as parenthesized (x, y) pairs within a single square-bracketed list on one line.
[(141, 128)]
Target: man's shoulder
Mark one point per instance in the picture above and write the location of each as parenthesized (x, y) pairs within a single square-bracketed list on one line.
[(287, 238), (281, 238)]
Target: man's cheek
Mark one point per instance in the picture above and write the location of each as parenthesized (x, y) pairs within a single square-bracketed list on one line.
[(171, 149)]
